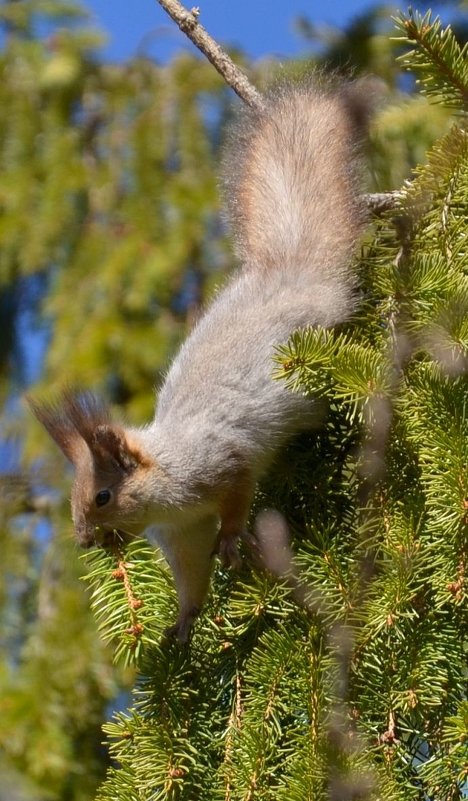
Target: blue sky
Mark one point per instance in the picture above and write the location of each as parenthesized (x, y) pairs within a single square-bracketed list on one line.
[(259, 27)]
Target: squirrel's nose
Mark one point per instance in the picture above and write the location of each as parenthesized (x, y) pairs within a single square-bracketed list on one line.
[(87, 537), (87, 544)]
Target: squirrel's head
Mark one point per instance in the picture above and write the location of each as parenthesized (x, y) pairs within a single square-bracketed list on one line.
[(112, 474)]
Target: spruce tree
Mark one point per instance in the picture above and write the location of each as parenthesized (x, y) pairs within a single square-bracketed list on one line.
[(359, 691), (343, 675)]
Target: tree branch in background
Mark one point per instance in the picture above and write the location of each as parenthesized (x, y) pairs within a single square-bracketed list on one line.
[(380, 202), (234, 77), (237, 80), (18, 497)]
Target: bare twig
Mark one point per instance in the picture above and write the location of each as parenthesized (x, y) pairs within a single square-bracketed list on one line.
[(121, 574), (380, 202), (234, 77)]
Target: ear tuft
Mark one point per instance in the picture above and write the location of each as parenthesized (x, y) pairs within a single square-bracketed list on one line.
[(56, 422), (71, 420), (78, 421), (85, 412)]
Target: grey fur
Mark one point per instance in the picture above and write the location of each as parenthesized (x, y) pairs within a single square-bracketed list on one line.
[(219, 399), (291, 179)]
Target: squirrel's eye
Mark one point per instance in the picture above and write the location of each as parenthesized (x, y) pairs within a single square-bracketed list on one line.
[(102, 498)]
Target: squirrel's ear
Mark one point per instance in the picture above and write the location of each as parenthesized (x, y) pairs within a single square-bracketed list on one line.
[(110, 442), (59, 427), (80, 424)]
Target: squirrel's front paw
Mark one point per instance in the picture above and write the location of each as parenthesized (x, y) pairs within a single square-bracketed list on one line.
[(228, 551)]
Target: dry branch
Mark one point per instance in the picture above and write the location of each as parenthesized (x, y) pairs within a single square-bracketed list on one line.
[(380, 202), (234, 77)]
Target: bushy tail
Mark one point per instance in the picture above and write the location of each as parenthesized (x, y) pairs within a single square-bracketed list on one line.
[(291, 177)]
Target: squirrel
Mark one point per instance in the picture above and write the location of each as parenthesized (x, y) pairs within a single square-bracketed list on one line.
[(292, 185)]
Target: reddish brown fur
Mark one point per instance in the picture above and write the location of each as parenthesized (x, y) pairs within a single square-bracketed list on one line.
[(104, 457)]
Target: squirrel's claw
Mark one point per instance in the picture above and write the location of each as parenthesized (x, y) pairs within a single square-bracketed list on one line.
[(228, 551), (181, 629)]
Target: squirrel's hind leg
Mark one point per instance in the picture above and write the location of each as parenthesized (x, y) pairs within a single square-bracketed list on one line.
[(234, 513)]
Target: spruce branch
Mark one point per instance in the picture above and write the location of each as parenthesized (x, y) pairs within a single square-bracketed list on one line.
[(121, 578), (233, 727), (441, 62), (445, 161), (136, 629)]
